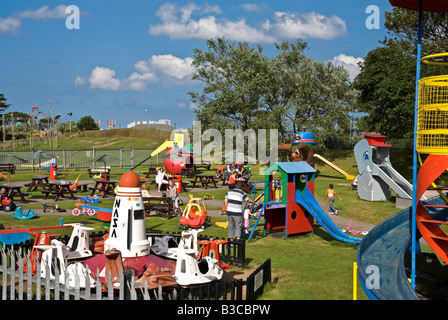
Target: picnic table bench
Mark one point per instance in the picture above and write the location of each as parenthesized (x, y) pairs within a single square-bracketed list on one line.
[(187, 172), (204, 164), (37, 182), (105, 187), (151, 170), (60, 189), (204, 180), (93, 170), (82, 186), (8, 167), (161, 205), (12, 191)]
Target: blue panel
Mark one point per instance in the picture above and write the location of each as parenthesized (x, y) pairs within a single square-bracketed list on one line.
[(294, 167)]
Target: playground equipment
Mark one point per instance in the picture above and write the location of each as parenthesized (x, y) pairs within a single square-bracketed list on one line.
[(178, 160), (349, 229), (302, 149), (57, 254), (386, 246), (23, 216), (195, 214), (35, 254), (167, 247), (295, 207), (87, 208), (377, 176), (193, 266), (14, 238), (75, 185), (6, 203), (335, 167)]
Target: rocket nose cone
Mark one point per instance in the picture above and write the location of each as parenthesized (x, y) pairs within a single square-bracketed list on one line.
[(129, 180)]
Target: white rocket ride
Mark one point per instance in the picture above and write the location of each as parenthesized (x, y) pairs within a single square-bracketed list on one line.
[(127, 227)]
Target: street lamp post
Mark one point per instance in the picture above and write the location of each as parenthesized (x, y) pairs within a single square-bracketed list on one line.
[(147, 111)]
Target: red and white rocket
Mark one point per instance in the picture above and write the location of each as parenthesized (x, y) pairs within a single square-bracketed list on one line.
[(127, 226)]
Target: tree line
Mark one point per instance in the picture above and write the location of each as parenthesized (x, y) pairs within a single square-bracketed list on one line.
[(245, 88)]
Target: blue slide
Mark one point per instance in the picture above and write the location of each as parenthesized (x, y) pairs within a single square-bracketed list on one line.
[(384, 248), (310, 204)]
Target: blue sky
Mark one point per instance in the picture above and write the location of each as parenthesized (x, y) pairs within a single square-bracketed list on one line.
[(129, 56)]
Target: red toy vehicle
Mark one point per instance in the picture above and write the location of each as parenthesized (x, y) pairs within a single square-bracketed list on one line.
[(195, 214), (6, 203)]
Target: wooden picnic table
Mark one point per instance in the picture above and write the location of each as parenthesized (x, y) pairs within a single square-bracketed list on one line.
[(160, 205), (104, 187), (204, 164), (151, 170), (38, 182), (204, 179), (12, 191), (59, 189), (246, 186)]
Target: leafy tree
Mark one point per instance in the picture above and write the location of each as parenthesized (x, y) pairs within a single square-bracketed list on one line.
[(3, 104), (386, 83), (245, 88), (87, 123)]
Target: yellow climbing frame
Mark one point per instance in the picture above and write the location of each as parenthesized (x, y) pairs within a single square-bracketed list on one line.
[(432, 125)]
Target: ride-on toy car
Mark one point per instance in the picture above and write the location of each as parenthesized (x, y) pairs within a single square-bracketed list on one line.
[(6, 203)]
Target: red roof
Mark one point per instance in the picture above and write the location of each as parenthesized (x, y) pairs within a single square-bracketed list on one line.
[(428, 5), (376, 140)]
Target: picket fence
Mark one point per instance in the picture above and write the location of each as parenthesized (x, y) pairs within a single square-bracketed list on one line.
[(19, 285)]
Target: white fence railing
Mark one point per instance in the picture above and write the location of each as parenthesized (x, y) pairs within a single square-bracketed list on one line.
[(18, 284)]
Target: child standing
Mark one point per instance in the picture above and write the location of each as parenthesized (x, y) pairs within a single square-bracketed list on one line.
[(330, 194), (174, 195)]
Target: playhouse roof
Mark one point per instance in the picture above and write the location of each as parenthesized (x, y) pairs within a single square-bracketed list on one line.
[(294, 167)]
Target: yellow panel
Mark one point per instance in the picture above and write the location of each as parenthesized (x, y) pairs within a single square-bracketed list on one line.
[(432, 125)]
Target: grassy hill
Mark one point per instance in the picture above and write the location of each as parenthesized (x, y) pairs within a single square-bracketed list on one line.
[(111, 139)]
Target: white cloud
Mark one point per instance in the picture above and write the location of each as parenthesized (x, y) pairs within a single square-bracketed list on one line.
[(159, 68), (13, 23), (350, 63), (173, 66), (252, 7), (307, 25), (44, 13), (177, 22), (9, 25), (103, 78)]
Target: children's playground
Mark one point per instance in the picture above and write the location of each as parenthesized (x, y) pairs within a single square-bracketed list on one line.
[(290, 225), (388, 241)]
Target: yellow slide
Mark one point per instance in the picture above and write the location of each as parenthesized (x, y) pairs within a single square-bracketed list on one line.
[(335, 167), (178, 139)]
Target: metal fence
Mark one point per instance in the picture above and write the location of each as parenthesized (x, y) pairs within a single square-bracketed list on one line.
[(83, 158)]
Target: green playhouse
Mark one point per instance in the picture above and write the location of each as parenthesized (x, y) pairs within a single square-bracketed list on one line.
[(278, 198)]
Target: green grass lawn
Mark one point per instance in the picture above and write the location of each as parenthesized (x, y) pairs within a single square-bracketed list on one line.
[(310, 267)]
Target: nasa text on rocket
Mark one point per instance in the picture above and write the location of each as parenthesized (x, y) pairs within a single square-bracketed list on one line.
[(127, 229)]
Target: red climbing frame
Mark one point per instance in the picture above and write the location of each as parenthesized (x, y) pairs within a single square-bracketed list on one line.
[(431, 169)]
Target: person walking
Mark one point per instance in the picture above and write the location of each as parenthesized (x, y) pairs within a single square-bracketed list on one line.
[(234, 204), (330, 194)]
